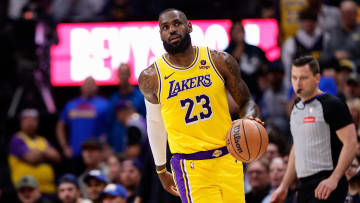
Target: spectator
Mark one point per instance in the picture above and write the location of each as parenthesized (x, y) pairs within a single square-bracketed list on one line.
[(354, 108), (344, 43), (309, 39), (77, 10), (352, 86), (95, 182), (28, 191), (277, 172), (354, 194), (277, 147), (119, 10), (345, 70), (68, 190), (351, 171), (116, 136), (130, 177), (135, 129), (113, 193), (114, 163), (274, 99), (258, 174), (328, 16), (31, 153), (287, 12), (93, 157), (251, 58), (85, 117)]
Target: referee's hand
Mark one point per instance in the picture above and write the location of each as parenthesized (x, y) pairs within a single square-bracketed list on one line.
[(279, 195), (325, 188)]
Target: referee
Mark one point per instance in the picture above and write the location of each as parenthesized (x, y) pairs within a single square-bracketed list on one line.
[(324, 140)]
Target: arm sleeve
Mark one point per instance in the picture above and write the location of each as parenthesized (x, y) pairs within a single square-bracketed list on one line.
[(336, 113), (156, 132)]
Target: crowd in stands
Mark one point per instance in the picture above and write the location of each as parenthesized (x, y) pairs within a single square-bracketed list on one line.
[(90, 144)]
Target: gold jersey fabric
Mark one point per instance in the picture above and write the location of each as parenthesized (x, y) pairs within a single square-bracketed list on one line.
[(193, 103)]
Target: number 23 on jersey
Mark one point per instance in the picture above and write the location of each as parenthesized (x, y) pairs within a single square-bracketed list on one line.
[(189, 104)]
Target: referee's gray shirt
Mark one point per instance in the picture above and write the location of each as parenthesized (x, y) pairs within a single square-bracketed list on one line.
[(313, 126)]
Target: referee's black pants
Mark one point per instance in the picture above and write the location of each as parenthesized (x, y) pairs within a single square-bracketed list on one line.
[(306, 189)]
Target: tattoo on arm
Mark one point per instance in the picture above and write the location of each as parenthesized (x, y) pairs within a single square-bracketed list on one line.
[(148, 84), (237, 87)]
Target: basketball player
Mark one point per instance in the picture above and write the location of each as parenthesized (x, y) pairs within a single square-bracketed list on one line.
[(186, 102), (324, 140)]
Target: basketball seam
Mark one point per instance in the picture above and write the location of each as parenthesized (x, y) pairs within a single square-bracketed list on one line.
[(247, 146), (234, 148), (260, 140)]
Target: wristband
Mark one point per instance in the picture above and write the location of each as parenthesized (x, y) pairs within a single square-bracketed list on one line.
[(161, 171)]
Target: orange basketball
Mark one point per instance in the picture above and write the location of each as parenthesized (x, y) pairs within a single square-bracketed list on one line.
[(247, 140)]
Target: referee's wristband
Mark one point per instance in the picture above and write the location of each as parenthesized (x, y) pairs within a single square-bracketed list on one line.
[(161, 171)]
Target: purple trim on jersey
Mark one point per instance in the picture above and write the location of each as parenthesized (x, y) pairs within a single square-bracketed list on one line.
[(179, 178), (159, 74), (195, 61), (18, 146), (187, 179), (215, 153), (213, 66)]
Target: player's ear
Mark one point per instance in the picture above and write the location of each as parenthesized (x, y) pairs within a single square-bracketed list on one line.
[(190, 27)]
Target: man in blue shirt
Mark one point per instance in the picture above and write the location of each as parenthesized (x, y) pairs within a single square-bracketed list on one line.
[(84, 117), (117, 132)]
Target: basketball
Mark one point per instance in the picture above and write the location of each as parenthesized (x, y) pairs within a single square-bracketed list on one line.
[(247, 140)]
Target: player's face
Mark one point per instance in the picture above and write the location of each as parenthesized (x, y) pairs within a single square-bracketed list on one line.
[(68, 193), (304, 81), (175, 32)]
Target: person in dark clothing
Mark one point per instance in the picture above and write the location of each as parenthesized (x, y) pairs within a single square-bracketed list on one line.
[(250, 58), (259, 179)]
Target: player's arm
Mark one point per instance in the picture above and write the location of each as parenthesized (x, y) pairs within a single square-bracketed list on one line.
[(230, 71), (148, 84), (280, 193)]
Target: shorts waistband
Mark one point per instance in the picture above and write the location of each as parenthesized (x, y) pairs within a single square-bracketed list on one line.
[(210, 154)]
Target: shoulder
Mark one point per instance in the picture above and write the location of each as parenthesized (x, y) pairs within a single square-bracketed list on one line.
[(222, 59), (148, 83), (15, 139), (329, 99)]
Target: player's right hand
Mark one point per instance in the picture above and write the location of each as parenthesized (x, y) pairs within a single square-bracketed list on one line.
[(168, 183), (279, 195)]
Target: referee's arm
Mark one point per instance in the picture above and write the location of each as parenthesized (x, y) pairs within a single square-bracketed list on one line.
[(347, 136)]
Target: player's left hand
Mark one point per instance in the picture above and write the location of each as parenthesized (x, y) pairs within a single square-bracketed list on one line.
[(255, 119), (325, 188)]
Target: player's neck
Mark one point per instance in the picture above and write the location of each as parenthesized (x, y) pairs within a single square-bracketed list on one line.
[(183, 59)]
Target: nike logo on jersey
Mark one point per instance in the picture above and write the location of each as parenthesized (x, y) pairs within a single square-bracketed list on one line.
[(167, 77)]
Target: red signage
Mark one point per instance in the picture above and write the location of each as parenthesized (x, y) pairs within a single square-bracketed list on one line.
[(97, 49)]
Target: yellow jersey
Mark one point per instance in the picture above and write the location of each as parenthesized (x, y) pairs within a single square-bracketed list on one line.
[(289, 16), (194, 105), (42, 172)]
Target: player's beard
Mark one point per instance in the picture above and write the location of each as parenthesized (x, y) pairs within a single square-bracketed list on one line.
[(179, 47)]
